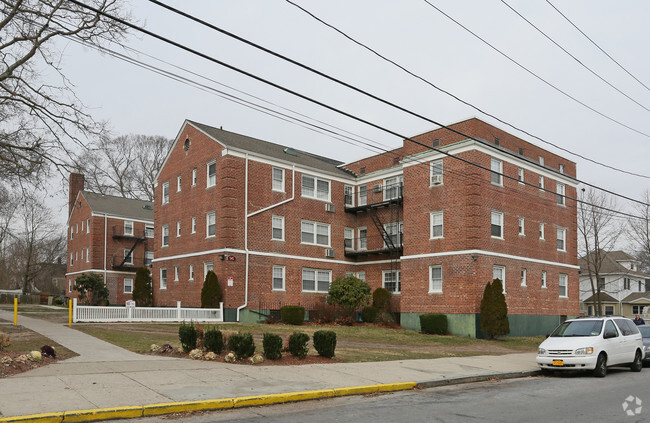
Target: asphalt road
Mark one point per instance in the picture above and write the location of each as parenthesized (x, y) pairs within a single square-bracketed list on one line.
[(564, 398)]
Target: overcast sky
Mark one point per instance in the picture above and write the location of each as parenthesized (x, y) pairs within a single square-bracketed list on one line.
[(411, 33)]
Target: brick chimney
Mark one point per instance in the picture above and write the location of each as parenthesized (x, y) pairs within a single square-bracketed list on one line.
[(77, 181)]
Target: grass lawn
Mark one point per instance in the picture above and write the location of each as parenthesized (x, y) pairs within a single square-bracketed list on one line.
[(354, 343)]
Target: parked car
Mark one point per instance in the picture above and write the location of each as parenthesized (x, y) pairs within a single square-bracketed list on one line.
[(592, 343), (645, 332)]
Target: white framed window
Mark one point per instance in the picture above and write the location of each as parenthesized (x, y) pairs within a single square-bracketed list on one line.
[(496, 166), (148, 258), (561, 167), (278, 278), (211, 171), (76, 255), (82, 226), (541, 160), (175, 273), (278, 179), (348, 238), (149, 231), (523, 276), (191, 272), (541, 231), (193, 224), (314, 233), (128, 285), (71, 259), (208, 266), (277, 230), (361, 275), (348, 195), (394, 231), (564, 288), (82, 254), (543, 278), (71, 232), (163, 278), (87, 254), (210, 224), (521, 226), (178, 183), (316, 280), (497, 224), (435, 173), (128, 227), (499, 272), (392, 280), (393, 187), (128, 256), (88, 225), (520, 175), (363, 238), (313, 187), (560, 189), (165, 193), (541, 181), (436, 223), (69, 285), (435, 279), (194, 177), (178, 229), (165, 235), (363, 195), (561, 239), (76, 228)]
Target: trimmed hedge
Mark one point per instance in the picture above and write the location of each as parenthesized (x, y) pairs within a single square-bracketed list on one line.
[(242, 345), (369, 314), (381, 299), (213, 341), (298, 344), (188, 336), (325, 342), (272, 345), (434, 323), (292, 315)]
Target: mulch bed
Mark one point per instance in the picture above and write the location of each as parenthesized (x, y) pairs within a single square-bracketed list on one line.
[(286, 360), (15, 367)]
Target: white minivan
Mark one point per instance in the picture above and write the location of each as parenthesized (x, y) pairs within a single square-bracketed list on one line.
[(592, 343)]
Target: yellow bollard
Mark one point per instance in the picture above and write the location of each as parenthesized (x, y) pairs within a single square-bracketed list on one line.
[(15, 311), (70, 312)]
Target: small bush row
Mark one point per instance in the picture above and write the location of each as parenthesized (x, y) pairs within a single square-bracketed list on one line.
[(434, 323)]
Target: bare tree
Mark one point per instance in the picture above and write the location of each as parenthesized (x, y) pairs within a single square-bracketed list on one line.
[(41, 121), (125, 166), (639, 231), (599, 232)]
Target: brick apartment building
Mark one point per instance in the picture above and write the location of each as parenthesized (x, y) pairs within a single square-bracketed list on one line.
[(277, 225), (107, 235)]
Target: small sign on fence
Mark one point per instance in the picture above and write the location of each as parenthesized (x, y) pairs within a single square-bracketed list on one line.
[(130, 303)]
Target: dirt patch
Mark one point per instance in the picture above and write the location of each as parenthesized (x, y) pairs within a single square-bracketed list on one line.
[(17, 365), (286, 360)]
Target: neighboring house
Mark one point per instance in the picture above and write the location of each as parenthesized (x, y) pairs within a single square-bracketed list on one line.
[(277, 225), (620, 279), (107, 235)]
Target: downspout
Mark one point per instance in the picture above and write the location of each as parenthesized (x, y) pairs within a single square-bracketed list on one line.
[(105, 236), (293, 194)]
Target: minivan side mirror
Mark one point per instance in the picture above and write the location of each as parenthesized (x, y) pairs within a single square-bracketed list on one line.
[(609, 334)]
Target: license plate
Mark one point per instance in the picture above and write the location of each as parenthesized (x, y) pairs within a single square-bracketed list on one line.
[(558, 362)]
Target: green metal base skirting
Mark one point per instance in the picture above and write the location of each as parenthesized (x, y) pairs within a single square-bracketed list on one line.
[(470, 324)]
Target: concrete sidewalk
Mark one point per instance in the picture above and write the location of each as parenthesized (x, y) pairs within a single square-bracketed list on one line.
[(105, 376)]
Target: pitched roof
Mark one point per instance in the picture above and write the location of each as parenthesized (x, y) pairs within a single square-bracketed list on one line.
[(119, 206), (269, 149), (642, 297), (610, 264), (604, 298)]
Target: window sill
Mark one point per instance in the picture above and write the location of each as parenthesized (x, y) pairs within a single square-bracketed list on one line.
[(497, 237), (435, 292), (436, 237), (564, 296), (278, 290), (163, 289), (435, 185), (498, 185), (210, 186), (210, 236), (316, 245), (275, 239), (279, 190), (317, 199), (545, 287)]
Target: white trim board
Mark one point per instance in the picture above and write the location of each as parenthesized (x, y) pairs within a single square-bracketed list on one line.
[(99, 271), (488, 253)]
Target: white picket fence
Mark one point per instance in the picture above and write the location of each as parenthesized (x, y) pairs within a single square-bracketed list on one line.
[(130, 313)]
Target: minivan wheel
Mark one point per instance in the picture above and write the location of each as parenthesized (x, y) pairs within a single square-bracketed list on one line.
[(601, 366), (637, 364)]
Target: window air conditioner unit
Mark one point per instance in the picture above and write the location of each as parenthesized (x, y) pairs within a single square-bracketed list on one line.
[(330, 207), (436, 179), (377, 188), (329, 252)]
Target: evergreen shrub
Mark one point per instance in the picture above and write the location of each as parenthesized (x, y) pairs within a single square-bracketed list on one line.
[(325, 342), (272, 345), (298, 344), (213, 341), (434, 323), (242, 345), (292, 315), (369, 314), (188, 336), (211, 294), (381, 299)]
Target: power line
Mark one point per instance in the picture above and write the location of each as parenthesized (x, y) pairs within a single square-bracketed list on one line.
[(426, 81), (572, 56), (597, 46), (324, 105), (535, 75)]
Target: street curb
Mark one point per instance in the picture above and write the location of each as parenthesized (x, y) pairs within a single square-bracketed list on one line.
[(473, 379), (214, 404)]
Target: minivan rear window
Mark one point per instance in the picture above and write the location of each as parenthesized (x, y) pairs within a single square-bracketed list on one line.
[(578, 328)]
